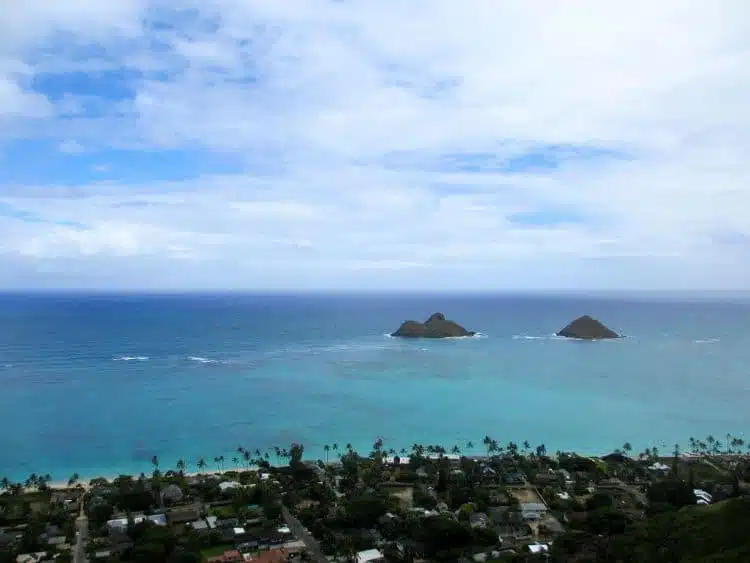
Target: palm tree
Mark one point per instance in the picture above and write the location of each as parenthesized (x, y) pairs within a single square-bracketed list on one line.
[(494, 446), (526, 446), (201, 464), (455, 450), (349, 448), (5, 483), (155, 462), (326, 448), (627, 448), (235, 461), (73, 480), (247, 457), (181, 466), (216, 461), (469, 445), (32, 481), (487, 442), (335, 447), (693, 444)]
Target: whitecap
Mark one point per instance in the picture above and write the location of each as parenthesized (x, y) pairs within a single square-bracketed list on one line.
[(202, 360), (531, 337), (131, 358), (706, 341), (476, 335)]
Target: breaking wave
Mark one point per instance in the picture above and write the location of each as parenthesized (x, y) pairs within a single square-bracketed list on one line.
[(529, 337), (202, 360), (131, 358)]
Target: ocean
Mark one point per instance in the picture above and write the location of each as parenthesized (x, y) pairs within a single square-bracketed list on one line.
[(98, 384)]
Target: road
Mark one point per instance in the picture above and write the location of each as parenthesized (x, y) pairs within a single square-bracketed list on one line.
[(82, 534), (313, 549)]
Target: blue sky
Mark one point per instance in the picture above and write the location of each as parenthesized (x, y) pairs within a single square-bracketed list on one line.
[(345, 145)]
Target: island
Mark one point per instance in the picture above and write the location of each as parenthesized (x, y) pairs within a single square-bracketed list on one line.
[(587, 328), (436, 326)]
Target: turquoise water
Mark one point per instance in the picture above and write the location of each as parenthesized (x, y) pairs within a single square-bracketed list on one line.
[(99, 384)]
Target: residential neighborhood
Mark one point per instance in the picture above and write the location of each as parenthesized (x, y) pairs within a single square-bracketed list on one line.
[(423, 504)]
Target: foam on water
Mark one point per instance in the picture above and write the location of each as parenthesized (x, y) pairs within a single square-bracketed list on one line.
[(131, 358), (531, 337)]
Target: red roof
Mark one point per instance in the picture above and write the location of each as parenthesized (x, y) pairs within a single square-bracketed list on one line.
[(232, 556), (271, 556)]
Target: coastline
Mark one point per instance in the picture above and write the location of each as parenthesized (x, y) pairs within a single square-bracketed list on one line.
[(84, 483)]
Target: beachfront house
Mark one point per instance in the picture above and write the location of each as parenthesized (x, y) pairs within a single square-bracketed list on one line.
[(228, 486)]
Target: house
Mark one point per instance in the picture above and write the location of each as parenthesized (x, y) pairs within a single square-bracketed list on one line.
[(183, 514), (119, 541), (370, 555), (271, 556), (295, 546), (537, 548), (478, 520), (121, 524), (228, 486), (533, 510), (505, 515), (551, 526), (56, 541), (232, 556), (659, 467), (199, 525), (515, 478), (31, 557)]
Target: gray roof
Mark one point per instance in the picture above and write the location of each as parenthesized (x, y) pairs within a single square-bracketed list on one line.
[(533, 507)]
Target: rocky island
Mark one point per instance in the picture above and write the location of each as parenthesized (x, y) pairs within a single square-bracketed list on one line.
[(437, 326), (587, 328)]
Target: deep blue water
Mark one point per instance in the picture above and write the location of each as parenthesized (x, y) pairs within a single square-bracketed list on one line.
[(206, 374)]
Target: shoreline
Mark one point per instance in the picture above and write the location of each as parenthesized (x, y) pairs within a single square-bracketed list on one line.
[(84, 483)]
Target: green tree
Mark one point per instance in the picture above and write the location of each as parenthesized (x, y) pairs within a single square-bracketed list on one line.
[(295, 455), (73, 480)]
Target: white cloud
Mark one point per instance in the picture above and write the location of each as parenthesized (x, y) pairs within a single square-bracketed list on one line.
[(71, 146), (315, 98)]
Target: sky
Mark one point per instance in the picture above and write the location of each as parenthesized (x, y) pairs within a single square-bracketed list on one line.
[(430, 144)]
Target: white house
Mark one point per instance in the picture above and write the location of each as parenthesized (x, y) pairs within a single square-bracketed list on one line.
[(368, 555)]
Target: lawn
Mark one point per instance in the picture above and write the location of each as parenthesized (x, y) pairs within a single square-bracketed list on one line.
[(224, 512)]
